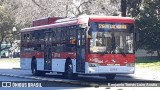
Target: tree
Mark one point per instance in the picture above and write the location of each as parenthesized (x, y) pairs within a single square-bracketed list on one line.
[(6, 25), (149, 26)]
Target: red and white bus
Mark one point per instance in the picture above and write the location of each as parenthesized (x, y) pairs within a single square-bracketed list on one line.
[(87, 45)]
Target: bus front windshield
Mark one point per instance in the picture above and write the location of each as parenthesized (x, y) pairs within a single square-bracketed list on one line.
[(111, 38)]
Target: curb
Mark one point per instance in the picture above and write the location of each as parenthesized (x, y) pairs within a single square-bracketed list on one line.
[(17, 68)]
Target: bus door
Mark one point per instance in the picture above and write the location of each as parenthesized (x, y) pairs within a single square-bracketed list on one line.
[(80, 50), (48, 51)]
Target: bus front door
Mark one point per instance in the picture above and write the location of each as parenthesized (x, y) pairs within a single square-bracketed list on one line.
[(80, 51), (48, 51)]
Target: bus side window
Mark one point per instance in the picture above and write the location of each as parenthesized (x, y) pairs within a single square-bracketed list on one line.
[(72, 36), (58, 35), (54, 37), (42, 47), (63, 36), (24, 36), (33, 36), (28, 36)]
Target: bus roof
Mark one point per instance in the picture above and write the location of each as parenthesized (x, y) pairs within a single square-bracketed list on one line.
[(80, 20)]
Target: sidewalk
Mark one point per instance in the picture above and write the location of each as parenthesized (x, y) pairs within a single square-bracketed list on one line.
[(147, 74), (9, 65)]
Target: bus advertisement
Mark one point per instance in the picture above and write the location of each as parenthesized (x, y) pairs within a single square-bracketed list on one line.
[(86, 45)]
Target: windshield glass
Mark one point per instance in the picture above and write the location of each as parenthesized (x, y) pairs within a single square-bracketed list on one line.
[(111, 38)]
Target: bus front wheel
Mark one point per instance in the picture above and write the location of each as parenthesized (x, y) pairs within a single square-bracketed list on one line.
[(110, 76)]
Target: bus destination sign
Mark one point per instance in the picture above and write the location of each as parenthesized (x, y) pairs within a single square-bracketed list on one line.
[(112, 26)]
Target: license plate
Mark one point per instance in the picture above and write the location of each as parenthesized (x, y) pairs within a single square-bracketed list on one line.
[(113, 69)]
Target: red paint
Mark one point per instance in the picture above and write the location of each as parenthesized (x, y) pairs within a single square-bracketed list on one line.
[(111, 19), (61, 55), (64, 55), (111, 59), (79, 20), (49, 26), (45, 21), (31, 54)]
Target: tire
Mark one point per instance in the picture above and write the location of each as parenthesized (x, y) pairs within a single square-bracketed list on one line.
[(110, 76), (35, 72), (69, 71)]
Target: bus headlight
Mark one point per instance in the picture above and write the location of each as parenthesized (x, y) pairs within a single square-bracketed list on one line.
[(93, 64), (130, 64)]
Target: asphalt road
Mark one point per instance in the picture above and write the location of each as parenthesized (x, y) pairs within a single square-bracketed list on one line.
[(63, 86), (119, 77), (58, 83), (14, 84), (95, 82)]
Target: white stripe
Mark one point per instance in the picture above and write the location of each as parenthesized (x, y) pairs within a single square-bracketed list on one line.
[(58, 65), (108, 69), (40, 64), (25, 63)]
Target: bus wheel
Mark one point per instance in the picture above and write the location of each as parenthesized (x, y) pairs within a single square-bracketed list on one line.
[(35, 72), (34, 67), (110, 76), (69, 71)]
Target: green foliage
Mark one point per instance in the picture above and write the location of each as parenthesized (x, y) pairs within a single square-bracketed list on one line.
[(149, 26), (149, 64)]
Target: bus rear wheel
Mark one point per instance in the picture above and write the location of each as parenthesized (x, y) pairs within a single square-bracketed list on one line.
[(35, 72), (69, 71), (110, 76)]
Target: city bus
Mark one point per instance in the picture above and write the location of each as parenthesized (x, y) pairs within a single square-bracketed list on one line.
[(84, 45)]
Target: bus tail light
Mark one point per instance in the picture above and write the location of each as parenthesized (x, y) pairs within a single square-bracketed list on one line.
[(130, 64)]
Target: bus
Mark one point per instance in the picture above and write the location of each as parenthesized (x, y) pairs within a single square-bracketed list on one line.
[(84, 45)]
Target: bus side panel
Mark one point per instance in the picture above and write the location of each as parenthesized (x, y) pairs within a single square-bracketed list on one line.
[(116, 69), (25, 63), (90, 70), (58, 65), (40, 63), (74, 65), (108, 69)]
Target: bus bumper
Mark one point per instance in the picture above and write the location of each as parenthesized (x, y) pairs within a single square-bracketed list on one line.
[(110, 69)]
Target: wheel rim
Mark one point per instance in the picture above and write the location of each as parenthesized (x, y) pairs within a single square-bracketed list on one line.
[(69, 70), (33, 70)]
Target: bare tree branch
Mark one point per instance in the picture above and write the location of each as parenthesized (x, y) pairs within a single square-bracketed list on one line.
[(38, 5)]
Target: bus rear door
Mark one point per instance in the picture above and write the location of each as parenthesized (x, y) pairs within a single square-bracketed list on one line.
[(48, 51), (80, 51)]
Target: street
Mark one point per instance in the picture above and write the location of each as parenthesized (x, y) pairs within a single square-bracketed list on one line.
[(12, 72), (55, 85), (63, 84)]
